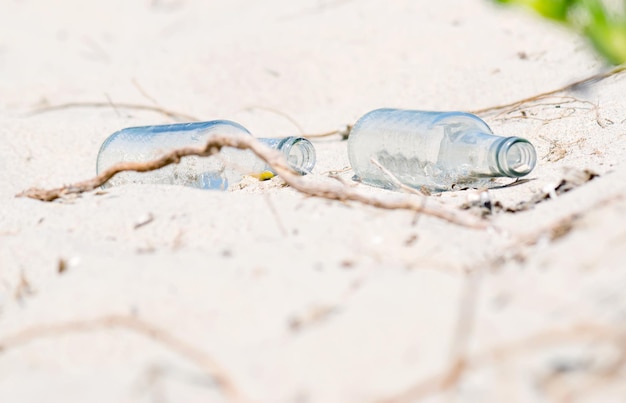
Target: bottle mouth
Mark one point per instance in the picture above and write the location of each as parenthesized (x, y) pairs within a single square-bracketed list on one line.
[(300, 154), (516, 157)]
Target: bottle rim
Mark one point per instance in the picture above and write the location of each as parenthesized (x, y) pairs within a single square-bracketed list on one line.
[(294, 147), (516, 157)]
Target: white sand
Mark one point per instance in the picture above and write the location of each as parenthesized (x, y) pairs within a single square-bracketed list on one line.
[(323, 301)]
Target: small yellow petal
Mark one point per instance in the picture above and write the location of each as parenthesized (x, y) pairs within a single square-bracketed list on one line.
[(263, 176)]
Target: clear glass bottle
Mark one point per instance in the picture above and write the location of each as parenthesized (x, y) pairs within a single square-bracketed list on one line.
[(437, 150), (216, 172)]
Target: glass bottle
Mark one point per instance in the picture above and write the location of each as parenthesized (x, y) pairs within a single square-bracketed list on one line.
[(436, 150), (220, 171)]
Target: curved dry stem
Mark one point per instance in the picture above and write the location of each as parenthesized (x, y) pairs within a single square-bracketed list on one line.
[(276, 160), (570, 87), (135, 325), (169, 113), (582, 332), (279, 113), (344, 132)]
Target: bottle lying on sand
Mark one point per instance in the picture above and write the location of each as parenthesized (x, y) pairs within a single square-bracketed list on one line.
[(436, 150), (139, 144)]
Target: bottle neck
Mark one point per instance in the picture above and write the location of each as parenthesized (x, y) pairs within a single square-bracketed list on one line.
[(298, 151), (475, 153), (513, 157)]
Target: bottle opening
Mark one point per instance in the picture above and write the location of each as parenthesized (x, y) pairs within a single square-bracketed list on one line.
[(300, 154), (516, 157)]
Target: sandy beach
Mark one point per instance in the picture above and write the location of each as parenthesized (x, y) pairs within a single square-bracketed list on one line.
[(156, 293)]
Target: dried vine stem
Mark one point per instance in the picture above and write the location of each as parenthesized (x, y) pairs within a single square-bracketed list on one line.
[(570, 87), (582, 332), (197, 356), (276, 160), (343, 131), (169, 113)]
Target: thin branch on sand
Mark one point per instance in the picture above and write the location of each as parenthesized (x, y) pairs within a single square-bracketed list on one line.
[(570, 87), (159, 335), (328, 190), (465, 323), (407, 189), (343, 131), (396, 181), (278, 112), (582, 333), (143, 92), (178, 116)]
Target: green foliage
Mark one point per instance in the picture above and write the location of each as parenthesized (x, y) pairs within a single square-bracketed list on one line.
[(602, 21)]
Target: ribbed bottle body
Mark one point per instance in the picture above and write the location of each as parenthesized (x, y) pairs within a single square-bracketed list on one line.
[(140, 144), (436, 150)]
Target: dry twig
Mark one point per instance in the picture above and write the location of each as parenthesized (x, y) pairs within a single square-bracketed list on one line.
[(178, 116), (343, 131), (276, 160), (396, 182), (517, 105), (570, 87), (583, 332), (466, 318), (407, 189), (278, 112), (193, 354)]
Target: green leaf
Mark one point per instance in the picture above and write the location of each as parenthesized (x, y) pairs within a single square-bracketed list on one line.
[(605, 28), (552, 9), (609, 40)]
